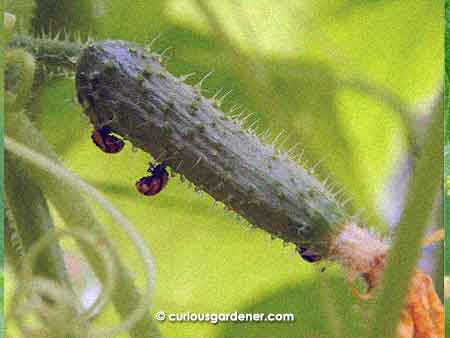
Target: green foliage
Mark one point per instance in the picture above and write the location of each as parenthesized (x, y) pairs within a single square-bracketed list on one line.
[(23, 9), (52, 16), (447, 154), (298, 59), (318, 316)]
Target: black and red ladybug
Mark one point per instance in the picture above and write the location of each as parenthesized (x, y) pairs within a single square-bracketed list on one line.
[(308, 255), (106, 142), (153, 184)]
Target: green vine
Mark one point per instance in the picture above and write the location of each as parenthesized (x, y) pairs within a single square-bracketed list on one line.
[(33, 230)]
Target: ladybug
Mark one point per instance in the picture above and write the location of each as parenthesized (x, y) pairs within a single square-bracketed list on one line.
[(153, 184), (308, 255), (106, 142)]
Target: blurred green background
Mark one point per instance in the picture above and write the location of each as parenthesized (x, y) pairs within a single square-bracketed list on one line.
[(447, 156), (297, 65)]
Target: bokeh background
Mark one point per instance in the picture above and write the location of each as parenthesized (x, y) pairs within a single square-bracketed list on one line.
[(447, 158), (324, 73)]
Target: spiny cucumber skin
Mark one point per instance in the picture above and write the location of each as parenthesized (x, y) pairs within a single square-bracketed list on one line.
[(120, 85)]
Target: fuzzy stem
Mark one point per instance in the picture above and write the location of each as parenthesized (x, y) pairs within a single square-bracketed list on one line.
[(122, 86), (51, 52)]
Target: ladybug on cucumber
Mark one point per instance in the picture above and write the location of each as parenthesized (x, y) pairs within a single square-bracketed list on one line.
[(308, 255), (154, 183), (108, 143)]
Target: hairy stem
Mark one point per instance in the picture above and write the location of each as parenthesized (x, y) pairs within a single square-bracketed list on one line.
[(49, 51), (122, 86)]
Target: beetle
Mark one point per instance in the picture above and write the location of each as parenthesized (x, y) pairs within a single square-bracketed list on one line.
[(308, 255), (106, 142), (153, 184)]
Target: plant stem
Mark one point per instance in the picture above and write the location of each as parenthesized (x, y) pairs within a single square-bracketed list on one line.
[(408, 237), (32, 219), (49, 51), (13, 251)]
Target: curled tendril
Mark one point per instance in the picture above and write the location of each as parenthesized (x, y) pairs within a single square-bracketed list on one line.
[(50, 169), (42, 308), (61, 300)]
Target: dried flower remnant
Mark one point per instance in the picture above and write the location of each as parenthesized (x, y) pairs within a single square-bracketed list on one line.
[(365, 255), (423, 315)]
